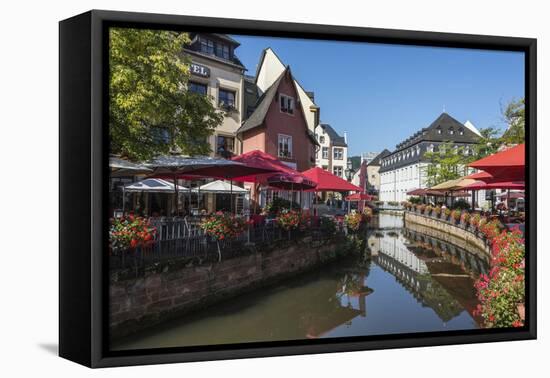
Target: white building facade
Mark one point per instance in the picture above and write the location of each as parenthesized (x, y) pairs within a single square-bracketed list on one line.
[(332, 155), (405, 168)]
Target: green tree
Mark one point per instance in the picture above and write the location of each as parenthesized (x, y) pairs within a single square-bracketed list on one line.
[(488, 143), (151, 112), (447, 163), (514, 116)]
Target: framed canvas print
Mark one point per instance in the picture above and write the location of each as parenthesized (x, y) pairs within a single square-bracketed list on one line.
[(234, 188)]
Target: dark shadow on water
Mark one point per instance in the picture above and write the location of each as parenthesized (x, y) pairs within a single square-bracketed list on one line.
[(52, 348)]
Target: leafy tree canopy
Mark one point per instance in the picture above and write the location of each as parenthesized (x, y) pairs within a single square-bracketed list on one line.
[(151, 112)]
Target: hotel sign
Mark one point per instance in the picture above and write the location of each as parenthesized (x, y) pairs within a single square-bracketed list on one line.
[(200, 70)]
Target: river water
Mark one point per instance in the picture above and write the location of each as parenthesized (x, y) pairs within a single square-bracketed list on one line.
[(403, 282)]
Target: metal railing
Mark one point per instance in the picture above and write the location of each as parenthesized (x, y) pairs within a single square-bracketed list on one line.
[(182, 238)]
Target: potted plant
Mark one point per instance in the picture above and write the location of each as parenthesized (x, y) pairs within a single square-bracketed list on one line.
[(130, 233), (465, 219), (353, 221), (446, 213)]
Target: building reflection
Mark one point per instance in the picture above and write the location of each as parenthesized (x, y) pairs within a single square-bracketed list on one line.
[(438, 274)]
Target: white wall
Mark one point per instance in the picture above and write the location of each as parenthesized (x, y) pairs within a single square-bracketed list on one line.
[(29, 322)]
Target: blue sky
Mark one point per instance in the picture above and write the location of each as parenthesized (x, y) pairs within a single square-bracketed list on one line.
[(381, 94)]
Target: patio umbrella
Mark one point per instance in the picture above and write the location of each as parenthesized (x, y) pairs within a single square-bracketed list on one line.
[(507, 165), (292, 182), (480, 185), (174, 166), (149, 185), (260, 159), (121, 167), (455, 184), (327, 182)]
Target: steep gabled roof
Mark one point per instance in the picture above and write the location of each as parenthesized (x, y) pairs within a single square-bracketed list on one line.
[(262, 106), (335, 138)]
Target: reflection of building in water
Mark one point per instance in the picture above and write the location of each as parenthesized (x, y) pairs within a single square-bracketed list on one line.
[(386, 222), (438, 274), (470, 262), (413, 274), (393, 246)]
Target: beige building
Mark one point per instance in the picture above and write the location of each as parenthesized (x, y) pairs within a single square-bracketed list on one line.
[(217, 72), (373, 174)]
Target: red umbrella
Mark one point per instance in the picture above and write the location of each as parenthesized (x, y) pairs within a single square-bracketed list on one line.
[(260, 159), (359, 197), (417, 192), (481, 176), (327, 182), (507, 165), (512, 195), (480, 185), (287, 181)]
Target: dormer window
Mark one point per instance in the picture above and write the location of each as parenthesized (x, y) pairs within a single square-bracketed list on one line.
[(207, 46), (461, 131), (439, 129), (287, 104), (451, 131), (222, 50)]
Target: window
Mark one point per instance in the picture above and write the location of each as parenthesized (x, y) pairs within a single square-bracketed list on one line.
[(321, 139), (285, 146), (225, 146), (438, 130), (207, 46), (461, 131), (430, 148), (325, 152), (287, 104), (197, 88), (222, 50), (338, 153), (338, 170), (451, 131), (160, 135), (226, 99)]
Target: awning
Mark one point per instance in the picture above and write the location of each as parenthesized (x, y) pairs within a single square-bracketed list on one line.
[(153, 185), (327, 182)]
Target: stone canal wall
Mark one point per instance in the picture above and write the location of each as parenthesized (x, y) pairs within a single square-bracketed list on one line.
[(446, 231), (172, 290)]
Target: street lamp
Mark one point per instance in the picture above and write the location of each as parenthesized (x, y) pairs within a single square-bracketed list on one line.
[(349, 171)]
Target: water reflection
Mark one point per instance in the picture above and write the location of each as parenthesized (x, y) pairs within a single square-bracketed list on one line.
[(403, 282)]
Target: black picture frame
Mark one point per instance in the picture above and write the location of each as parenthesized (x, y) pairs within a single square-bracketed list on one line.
[(83, 167)]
